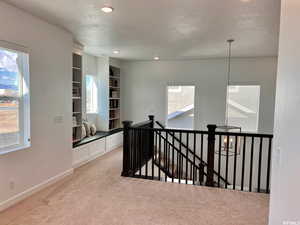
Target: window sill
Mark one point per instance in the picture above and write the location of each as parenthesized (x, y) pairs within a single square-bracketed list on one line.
[(95, 113), (8, 150)]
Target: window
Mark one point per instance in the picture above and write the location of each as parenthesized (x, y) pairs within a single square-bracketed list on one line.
[(243, 107), (91, 94), (14, 100), (181, 107)]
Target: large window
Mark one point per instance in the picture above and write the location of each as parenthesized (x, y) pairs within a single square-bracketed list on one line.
[(181, 107), (243, 107), (14, 100), (91, 94)]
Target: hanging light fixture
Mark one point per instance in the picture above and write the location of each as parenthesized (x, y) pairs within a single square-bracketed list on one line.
[(229, 145)]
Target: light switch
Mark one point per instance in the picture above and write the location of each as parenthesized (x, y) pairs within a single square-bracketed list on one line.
[(58, 119)]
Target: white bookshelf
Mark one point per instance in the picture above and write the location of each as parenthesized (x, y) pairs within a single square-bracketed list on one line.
[(77, 97), (114, 98)]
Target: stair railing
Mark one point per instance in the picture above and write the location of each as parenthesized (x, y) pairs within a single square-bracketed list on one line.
[(249, 170), (199, 158)]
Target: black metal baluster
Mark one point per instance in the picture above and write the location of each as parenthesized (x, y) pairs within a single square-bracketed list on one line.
[(201, 172), (269, 166), (191, 172), (251, 164), (153, 155), (243, 164), (194, 158), (173, 143), (187, 157), (259, 164), (166, 157), (234, 166), (140, 151), (159, 150), (201, 147), (219, 160), (146, 147), (180, 158), (227, 158), (131, 152), (133, 155)]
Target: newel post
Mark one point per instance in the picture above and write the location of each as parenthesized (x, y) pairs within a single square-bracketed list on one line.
[(210, 155), (126, 148), (151, 118)]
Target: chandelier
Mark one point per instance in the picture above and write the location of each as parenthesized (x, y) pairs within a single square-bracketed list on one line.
[(229, 145)]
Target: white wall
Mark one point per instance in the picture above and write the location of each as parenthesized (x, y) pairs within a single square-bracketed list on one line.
[(285, 196), (51, 90), (144, 84)]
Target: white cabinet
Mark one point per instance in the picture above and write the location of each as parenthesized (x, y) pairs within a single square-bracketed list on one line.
[(97, 148), (85, 153), (114, 141)]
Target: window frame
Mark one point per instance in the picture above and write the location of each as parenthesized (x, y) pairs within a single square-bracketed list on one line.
[(86, 96), (24, 99), (258, 105), (179, 89)]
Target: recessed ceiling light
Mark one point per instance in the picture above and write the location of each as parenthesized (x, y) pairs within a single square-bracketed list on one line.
[(107, 9), (156, 58), (116, 51)]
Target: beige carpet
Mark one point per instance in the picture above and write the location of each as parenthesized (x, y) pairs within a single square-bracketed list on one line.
[(97, 195)]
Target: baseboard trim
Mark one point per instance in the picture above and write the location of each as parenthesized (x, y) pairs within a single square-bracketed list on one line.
[(25, 194)]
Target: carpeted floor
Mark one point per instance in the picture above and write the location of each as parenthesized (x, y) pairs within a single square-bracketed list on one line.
[(96, 194)]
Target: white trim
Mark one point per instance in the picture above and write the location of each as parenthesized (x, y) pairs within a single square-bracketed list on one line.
[(167, 99), (14, 46), (25, 194), (24, 100)]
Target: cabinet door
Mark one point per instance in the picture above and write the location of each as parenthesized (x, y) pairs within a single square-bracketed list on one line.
[(97, 148), (114, 141), (80, 155)]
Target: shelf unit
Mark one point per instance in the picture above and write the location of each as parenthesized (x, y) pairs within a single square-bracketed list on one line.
[(114, 98), (77, 97)]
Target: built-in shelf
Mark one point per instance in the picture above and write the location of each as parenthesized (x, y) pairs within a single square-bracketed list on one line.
[(114, 77), (114, 97), (114, 118), (77, 95), (76, 140)]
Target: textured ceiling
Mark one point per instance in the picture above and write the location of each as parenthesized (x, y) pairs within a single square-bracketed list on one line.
[(171, 29)]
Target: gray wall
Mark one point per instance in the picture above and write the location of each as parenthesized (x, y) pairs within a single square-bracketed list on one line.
[(144, 87)]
